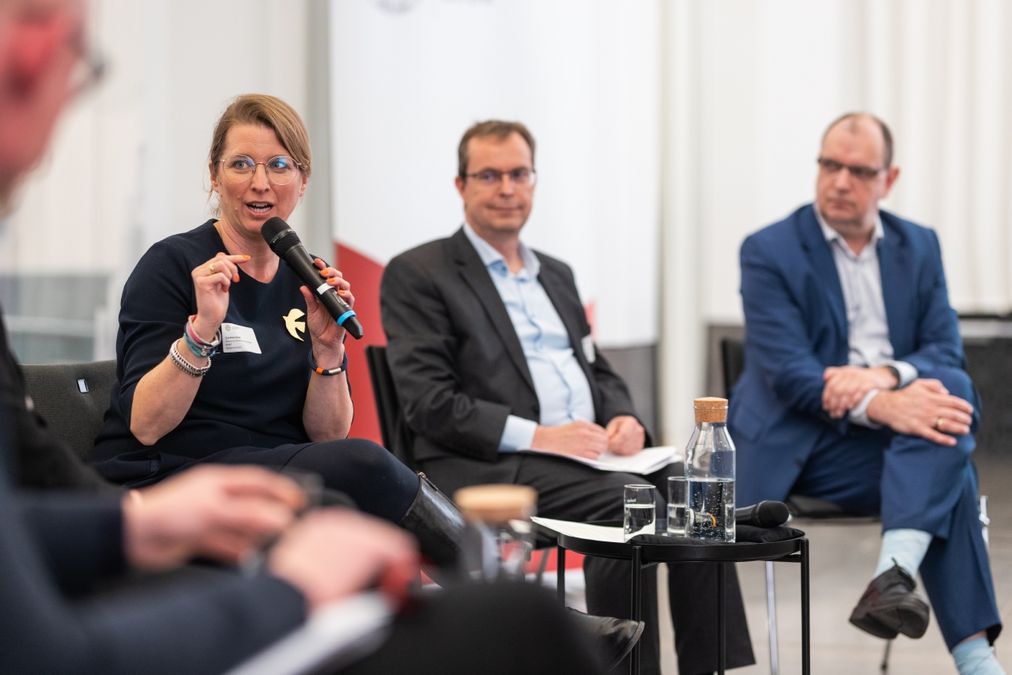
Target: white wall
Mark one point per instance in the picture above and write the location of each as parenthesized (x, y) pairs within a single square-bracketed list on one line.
[(129, 164), (583, 75)]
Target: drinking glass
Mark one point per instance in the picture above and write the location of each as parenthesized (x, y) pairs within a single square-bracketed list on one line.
[(677, 494), (638, 514)]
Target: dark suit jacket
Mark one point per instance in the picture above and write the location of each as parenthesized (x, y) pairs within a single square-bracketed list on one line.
[(457, 363), (796, 326)]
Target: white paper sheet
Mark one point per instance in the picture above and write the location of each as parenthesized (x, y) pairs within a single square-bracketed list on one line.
[(582, 530), (645, 461)]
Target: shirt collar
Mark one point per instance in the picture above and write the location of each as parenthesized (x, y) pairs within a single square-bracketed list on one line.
[(832, 235), (492, 259)]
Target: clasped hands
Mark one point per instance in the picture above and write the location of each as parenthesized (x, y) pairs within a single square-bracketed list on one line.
[(623, 435), (924, 408), (228, 513)]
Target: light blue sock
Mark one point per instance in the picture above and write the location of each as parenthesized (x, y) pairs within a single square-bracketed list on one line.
[(906, 546), (975, 657)]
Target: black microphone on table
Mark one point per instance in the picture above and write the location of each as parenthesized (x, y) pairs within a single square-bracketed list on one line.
[(287, 246), (764, 514)]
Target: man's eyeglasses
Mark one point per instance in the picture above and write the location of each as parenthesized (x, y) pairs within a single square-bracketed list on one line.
[(833, 167), (492, 177), (281, 170)]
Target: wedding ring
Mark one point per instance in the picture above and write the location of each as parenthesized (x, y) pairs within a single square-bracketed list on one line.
[(938, 423), (211, 268)]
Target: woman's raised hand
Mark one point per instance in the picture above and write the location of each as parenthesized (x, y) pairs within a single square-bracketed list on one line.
[(325, 332), (211, 282)]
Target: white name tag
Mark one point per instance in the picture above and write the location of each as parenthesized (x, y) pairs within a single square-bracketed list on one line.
[(588, 348), (236, 338)]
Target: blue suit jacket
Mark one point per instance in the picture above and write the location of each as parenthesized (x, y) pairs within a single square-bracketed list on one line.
[(796, 326)]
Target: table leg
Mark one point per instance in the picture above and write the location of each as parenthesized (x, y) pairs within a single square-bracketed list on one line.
[(721, 627), (637, 605), (560, 574), (806, 665)]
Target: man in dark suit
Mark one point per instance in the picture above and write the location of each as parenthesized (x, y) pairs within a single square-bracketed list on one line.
[(491, 354), (854, 390)]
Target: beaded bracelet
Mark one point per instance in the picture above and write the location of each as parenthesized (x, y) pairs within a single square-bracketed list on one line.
[(343, 368), (186, 366)]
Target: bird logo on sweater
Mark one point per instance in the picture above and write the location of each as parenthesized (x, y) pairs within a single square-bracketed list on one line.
[(292, 323)]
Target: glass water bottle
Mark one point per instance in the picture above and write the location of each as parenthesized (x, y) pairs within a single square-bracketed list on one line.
[(500, 534), (709, 472)]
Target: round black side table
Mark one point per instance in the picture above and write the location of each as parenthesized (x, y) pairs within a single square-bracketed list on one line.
[(605, 542)]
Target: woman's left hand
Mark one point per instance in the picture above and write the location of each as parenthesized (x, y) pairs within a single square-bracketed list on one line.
[(327, 336)]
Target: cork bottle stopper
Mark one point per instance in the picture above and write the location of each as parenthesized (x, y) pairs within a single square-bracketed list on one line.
[(496, 503), (710, 409)]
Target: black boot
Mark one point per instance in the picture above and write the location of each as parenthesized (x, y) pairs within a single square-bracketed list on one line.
[(439, 529)]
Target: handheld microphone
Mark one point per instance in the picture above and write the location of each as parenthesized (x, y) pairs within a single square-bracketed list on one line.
[(287, 246), (764, 514)]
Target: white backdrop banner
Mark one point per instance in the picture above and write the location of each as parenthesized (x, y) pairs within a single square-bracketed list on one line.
[(409, 76)]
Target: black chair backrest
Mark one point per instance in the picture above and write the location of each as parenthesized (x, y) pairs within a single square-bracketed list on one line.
[(732, 361), (72, 399), (397, 438)]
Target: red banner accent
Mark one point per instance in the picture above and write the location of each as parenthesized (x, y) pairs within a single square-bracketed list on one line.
[(364, 274)]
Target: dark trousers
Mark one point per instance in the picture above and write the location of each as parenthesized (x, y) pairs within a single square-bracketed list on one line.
[(505, 629), (916, 484), (377, 482), (568, 490)]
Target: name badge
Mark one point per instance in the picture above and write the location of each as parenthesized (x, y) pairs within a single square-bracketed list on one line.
[(236, 338), (588, 348)]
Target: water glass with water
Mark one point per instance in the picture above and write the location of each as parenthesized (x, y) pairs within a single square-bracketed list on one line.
[(639, 515), (677, 500)]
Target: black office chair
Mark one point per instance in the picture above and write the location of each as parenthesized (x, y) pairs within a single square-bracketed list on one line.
[(72, 398), (397, 437)]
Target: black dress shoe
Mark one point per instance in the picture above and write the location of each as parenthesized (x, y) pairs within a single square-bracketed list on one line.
[(614, 637), (890, 606)]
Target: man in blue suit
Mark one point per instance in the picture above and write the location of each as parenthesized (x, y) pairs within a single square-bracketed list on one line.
[(854, 392)]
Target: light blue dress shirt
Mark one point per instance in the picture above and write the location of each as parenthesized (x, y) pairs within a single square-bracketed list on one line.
[(867, 326), (559, 381)]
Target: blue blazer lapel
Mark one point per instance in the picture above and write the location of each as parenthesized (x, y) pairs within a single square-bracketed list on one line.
[(897, 286), (823, 267), (474, 274)]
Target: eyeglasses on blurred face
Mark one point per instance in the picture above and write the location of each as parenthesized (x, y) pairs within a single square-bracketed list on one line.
[(522, 177), (862, 173), (281, 169)]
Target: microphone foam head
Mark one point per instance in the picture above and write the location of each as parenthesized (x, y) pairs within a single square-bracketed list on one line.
[(278, 235), (771, 513)]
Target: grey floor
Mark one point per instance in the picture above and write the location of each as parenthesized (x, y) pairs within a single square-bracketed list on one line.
[(843, 558)]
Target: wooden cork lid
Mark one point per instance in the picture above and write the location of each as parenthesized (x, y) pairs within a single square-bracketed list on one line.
[(496, 503), (710, 409)]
